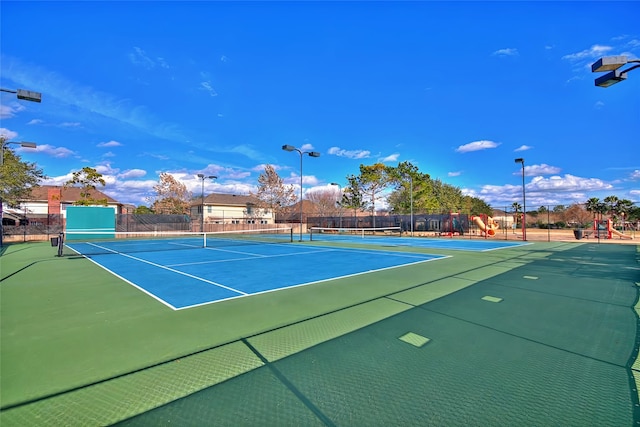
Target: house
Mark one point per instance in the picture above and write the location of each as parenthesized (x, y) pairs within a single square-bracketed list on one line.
[(49, 200), (222, 208)]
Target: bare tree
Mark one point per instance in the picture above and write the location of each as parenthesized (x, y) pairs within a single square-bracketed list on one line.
[(325, 202), (172, 196), (273, 195)]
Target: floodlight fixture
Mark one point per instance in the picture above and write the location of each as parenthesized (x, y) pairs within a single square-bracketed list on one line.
[(26, 95), (612, 64), (24, 144)]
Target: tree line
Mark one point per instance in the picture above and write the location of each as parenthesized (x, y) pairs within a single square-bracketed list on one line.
[(404, 188)]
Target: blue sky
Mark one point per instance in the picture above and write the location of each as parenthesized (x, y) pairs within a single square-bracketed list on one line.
[(460, 89)]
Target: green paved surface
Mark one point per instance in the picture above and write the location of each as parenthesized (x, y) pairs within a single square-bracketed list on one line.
[(554, 343)]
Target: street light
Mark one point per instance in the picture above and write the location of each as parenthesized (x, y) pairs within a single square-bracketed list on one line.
[(340, 202), (411, 191), (310, 154), (26, 95), (524, 203), (612, 64), (202, 178), (20, 143)]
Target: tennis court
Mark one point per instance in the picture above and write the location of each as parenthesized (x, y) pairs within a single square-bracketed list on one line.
[(392, 237), (221, 269), (537, 334)]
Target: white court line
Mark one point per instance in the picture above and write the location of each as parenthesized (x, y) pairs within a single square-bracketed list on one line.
[(247, 258), (172, 270), (438, 257)]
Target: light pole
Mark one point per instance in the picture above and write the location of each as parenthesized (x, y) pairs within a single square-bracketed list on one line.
[(310, 154), (26, 95), (411, 192), (21, 143), (339, 203), (612, 64), (524, 202), (202, 178)]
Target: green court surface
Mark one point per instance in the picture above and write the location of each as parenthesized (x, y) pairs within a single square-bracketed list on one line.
[(542, 334)]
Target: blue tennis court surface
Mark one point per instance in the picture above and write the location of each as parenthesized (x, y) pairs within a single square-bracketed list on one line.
[(188, 278), (478, 245)]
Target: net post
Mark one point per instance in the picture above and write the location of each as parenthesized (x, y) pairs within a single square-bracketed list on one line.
[(291, 234), (60, 243), (204, 239)]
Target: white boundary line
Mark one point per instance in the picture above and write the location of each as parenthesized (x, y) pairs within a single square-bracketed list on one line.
[(438, 257), (173, 270)]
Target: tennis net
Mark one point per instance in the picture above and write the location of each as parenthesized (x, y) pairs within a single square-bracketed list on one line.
[(100, 242), (337, 233)]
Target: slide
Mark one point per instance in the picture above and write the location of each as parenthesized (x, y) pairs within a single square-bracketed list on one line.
[(489, 228), (613, 231)]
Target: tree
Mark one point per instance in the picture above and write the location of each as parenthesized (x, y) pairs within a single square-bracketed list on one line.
[(576, 214), (324, 201), (172, 196), (352, 197), (142, 210), (273, 195), (371, 182), (87, 178), (17, 178), (595, 206)]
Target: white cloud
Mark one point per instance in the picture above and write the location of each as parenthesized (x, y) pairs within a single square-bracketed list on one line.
[(69, 124), (57, 152), (390, 158), (8, 111), (593, 52), (7, 134), (535, 170), (207, 86), (523, 148), (111, 143), (567, 183), (452, 174), (351, 154), (132, 173), (506, 52), (598, 105), (139, 57), (476, 146), (35, 122), (635, 175)]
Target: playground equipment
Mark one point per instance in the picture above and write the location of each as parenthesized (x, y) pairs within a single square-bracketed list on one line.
[(452, 226), (611, 231), (489, 228), (603, 229)]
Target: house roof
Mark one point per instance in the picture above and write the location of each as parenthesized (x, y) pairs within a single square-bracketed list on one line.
[(222, 199), (67, 194)]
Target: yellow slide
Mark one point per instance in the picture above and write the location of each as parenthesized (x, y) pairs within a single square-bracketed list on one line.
[(490, 227), (617, 233)]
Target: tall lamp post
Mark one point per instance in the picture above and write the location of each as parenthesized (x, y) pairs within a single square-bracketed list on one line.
[(524, 202), (21, 143), (310, 154), (411, 202), (612, 64), (340, 202), (2, 145), (202, 178), (26, 95)]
